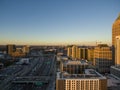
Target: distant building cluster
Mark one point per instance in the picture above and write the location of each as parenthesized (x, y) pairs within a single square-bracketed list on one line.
[(80, 52), (75, 73), (100, 55), (17, 52)]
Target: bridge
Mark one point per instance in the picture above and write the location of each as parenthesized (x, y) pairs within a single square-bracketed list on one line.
[(31, 79)]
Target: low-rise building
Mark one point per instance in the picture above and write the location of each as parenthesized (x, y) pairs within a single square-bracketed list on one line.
[(91, 80), (115, 71), (73, 66)]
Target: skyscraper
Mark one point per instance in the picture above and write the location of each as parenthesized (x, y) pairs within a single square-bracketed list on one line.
[(115, 70), (117, 50), (115, 29), (115, 32)]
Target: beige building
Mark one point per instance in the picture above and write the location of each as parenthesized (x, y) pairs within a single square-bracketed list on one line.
[(73, 52), (91, 54), (115, 32), (115, 29), (83, 52), (103, 58), (91, 80), (76, 52), (11, 49), (73, 66), (69, 51), (115, 70), (117, 50), (25, 49)]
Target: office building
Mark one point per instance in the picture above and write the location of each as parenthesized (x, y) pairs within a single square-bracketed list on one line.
[(103, 58), (74, 66), (25, 49), (69, 51), (115, 32), (117, 50), (11, 49), (91, 80), (115, 29), (75, 52), (91, 54), (115, 70), (83, 52)]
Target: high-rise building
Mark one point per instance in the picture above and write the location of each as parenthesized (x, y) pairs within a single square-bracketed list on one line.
[(74, 51), (117, 50), (115, 29), (83, 52), (79, 52), (115, 70), (91, 54), (91, 80), (69, 51), (103, 58), (11, 49), (115, 32)]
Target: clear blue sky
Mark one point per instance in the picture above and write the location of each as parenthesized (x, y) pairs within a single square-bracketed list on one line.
[(57, 21)]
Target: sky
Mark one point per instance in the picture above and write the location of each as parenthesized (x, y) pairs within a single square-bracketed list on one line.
[(43, 22)]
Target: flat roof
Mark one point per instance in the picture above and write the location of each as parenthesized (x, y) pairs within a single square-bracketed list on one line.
[(89, 74), (111, 81), (75, 62), (116, 67)]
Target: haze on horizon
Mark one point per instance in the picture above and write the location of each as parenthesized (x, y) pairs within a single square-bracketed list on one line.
[(42, 22)]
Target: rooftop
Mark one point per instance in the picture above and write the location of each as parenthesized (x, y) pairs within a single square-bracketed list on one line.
[(112, 81), (89, 74), (118, 18), (116, 67), (75, 62)]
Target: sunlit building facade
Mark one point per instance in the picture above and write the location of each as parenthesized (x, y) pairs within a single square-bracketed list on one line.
[(115, 70), (91, 54), (115, 29), (11, 49), (75, 52), (69, 51), (83, 53), (25, 49), (88, 81), (103, 58), (117, 50), (74, 66), (115, 32)]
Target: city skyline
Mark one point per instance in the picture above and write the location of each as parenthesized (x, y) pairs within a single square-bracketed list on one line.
[(57, 22)]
